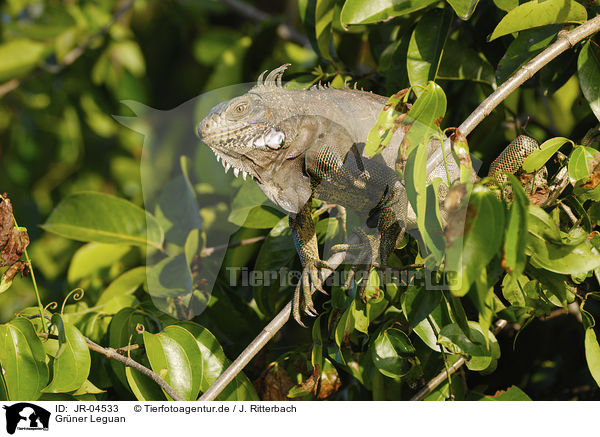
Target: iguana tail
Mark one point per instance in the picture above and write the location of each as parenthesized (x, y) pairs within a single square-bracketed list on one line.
[(512, 157)]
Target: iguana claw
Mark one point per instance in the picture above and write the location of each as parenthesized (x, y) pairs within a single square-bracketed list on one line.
[(308, 283)]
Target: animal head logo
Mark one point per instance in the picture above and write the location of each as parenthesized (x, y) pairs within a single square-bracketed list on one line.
[(26, 416)]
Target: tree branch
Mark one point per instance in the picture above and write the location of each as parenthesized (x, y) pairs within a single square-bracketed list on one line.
[(565, 41), (112, 354), (283, 30)]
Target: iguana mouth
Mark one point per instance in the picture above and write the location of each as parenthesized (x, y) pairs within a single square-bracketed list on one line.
[(229, 162)]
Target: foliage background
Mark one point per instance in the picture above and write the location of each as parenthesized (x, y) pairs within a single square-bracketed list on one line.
[(65, 67)]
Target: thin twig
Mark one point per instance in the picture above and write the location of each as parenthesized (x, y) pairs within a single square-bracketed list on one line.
[(112, 354), (569, 213), (283, 30), (70, 57), (210, 250), (444, 374), (565, 41), (125, 349)]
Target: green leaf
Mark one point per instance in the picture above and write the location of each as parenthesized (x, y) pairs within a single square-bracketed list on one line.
[(214, 362), (172, 287), (3, 389), (592, 354), (53, 21), (516, 229), (578, 163), (423, 119), (393, 353), (467, 257), (417, 303), (169, 277), (143, 387), (318, 18), (559, 258), (121, 332), (423, 200), (542, 225), (479, 355), (362, 12), (194, 355), (425, 331), (275, 256), (345, 326), (87, 388), (119, 293), (23, 359), (588, 71), (460, 62), (92, 216), (539, 157), (247, 209), (19, 57), (506, 5), (94, 258), (127, 54), (177, 209), (463, 8), (386, 125), (524, 47), (316, 357), (72, 362), (539, 13), (169, 360), (426, 47)]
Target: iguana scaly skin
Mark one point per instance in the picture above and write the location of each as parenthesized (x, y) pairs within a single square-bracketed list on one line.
[(300, 144)]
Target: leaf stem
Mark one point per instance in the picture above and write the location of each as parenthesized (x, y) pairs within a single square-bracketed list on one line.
[(37, 292)]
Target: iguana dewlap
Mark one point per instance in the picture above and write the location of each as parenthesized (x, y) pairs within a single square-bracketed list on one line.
[(300, 144)]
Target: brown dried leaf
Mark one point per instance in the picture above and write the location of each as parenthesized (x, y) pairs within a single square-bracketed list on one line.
[(11, 272), (13, 241), (329, 384), (276, 384), (310, 384)]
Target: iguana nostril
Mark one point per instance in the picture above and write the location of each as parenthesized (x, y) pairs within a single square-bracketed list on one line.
[(204, 125)]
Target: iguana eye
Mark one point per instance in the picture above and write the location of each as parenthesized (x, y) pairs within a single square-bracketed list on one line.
[(240, 108)]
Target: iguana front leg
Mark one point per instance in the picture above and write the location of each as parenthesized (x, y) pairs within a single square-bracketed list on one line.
[(305, 239)]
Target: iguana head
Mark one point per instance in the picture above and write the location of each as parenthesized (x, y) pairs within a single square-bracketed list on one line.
[(241, 132)]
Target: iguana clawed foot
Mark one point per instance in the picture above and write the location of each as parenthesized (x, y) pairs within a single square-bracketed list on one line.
[(308, 283), (361, 254)]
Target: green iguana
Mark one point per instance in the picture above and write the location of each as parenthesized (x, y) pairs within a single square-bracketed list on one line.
[(300, 144)]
